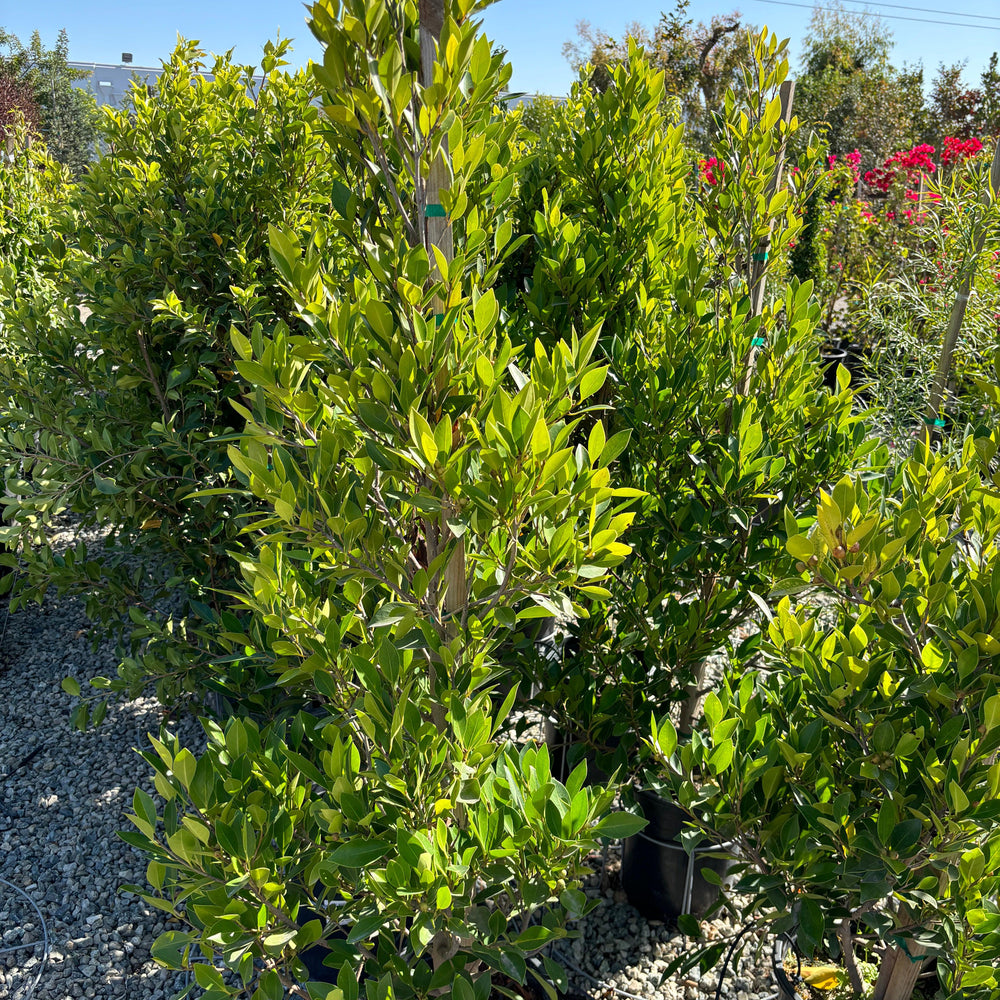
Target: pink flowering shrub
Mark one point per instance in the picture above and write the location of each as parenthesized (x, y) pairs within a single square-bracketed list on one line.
[(910, 164), (852, 162), (712, 170), (957, 150)]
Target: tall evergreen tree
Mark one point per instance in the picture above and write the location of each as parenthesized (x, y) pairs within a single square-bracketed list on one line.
[(67, 114)]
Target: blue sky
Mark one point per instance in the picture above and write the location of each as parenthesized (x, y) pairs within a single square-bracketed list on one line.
[(533, 31)]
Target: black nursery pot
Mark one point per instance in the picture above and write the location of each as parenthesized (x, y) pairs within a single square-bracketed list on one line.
[(312, 958), (829, 359), (659, 877), (566, 751)]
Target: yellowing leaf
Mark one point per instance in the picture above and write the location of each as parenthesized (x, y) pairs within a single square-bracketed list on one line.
[(800, 546), (822, 977)]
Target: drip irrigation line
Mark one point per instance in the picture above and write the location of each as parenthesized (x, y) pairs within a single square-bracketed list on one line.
[(560, 957), (888, 17), (25, 761), (45, 938), (926, 10), (747, 927)]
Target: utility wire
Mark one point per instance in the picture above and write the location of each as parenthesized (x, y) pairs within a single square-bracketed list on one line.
[(925, 10), (888, 17)]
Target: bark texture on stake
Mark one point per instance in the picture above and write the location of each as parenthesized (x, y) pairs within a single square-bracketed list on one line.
[(435, 229), (898, 974), (933, 416), (758, 261)]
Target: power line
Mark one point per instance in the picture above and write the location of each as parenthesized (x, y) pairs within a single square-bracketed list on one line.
[(928, 10), (888, 17)]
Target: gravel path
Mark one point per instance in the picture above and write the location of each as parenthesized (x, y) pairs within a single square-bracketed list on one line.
[(619, 952), (64, 796)]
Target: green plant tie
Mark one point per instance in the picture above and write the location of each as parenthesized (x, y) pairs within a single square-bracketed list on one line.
[(934, 421), (435, 211), (438, 319), (758, 342), (760, 256), (900, 942)]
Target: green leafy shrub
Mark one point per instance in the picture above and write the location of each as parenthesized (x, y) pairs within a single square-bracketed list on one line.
[(31, 185), (728, 419), (605, 211), (857, 773), (121, 374), (423, 496)]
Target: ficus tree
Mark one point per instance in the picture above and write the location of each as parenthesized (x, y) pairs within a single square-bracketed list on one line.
[(427, 488), (118, 364)]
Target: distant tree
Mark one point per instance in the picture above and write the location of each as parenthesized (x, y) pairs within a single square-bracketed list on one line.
[(849, 89), (17, 107), (989, 84), (67, 115), (699, 61), (953, 109)]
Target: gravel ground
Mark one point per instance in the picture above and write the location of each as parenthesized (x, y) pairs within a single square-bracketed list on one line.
[(64, 795), (620, 951)]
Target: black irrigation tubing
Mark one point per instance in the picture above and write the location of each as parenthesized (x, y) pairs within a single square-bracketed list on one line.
[(748, 926), (23, 947), (24, 762), (560, 957)]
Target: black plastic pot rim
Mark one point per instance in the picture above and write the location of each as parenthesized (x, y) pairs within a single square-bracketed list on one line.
[(680, 847)]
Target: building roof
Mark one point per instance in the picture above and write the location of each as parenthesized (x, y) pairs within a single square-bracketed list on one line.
[(110, 83)]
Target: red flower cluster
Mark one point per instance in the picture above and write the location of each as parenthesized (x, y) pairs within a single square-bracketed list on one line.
[(914, 161), (851, 159), (959, 149), (712, 170)]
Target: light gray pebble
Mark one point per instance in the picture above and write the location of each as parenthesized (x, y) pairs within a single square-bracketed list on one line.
[(60, 814)]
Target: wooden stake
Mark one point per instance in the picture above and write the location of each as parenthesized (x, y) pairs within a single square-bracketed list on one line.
[(434, 224), (933, 417), (435, 229), (899, 973), (758, 261)]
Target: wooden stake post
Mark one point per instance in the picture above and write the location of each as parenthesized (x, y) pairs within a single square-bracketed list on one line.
[(933, 417), (758, 262), (435, 229)]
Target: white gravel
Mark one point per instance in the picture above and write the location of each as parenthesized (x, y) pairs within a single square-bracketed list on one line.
[(619, 950)]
